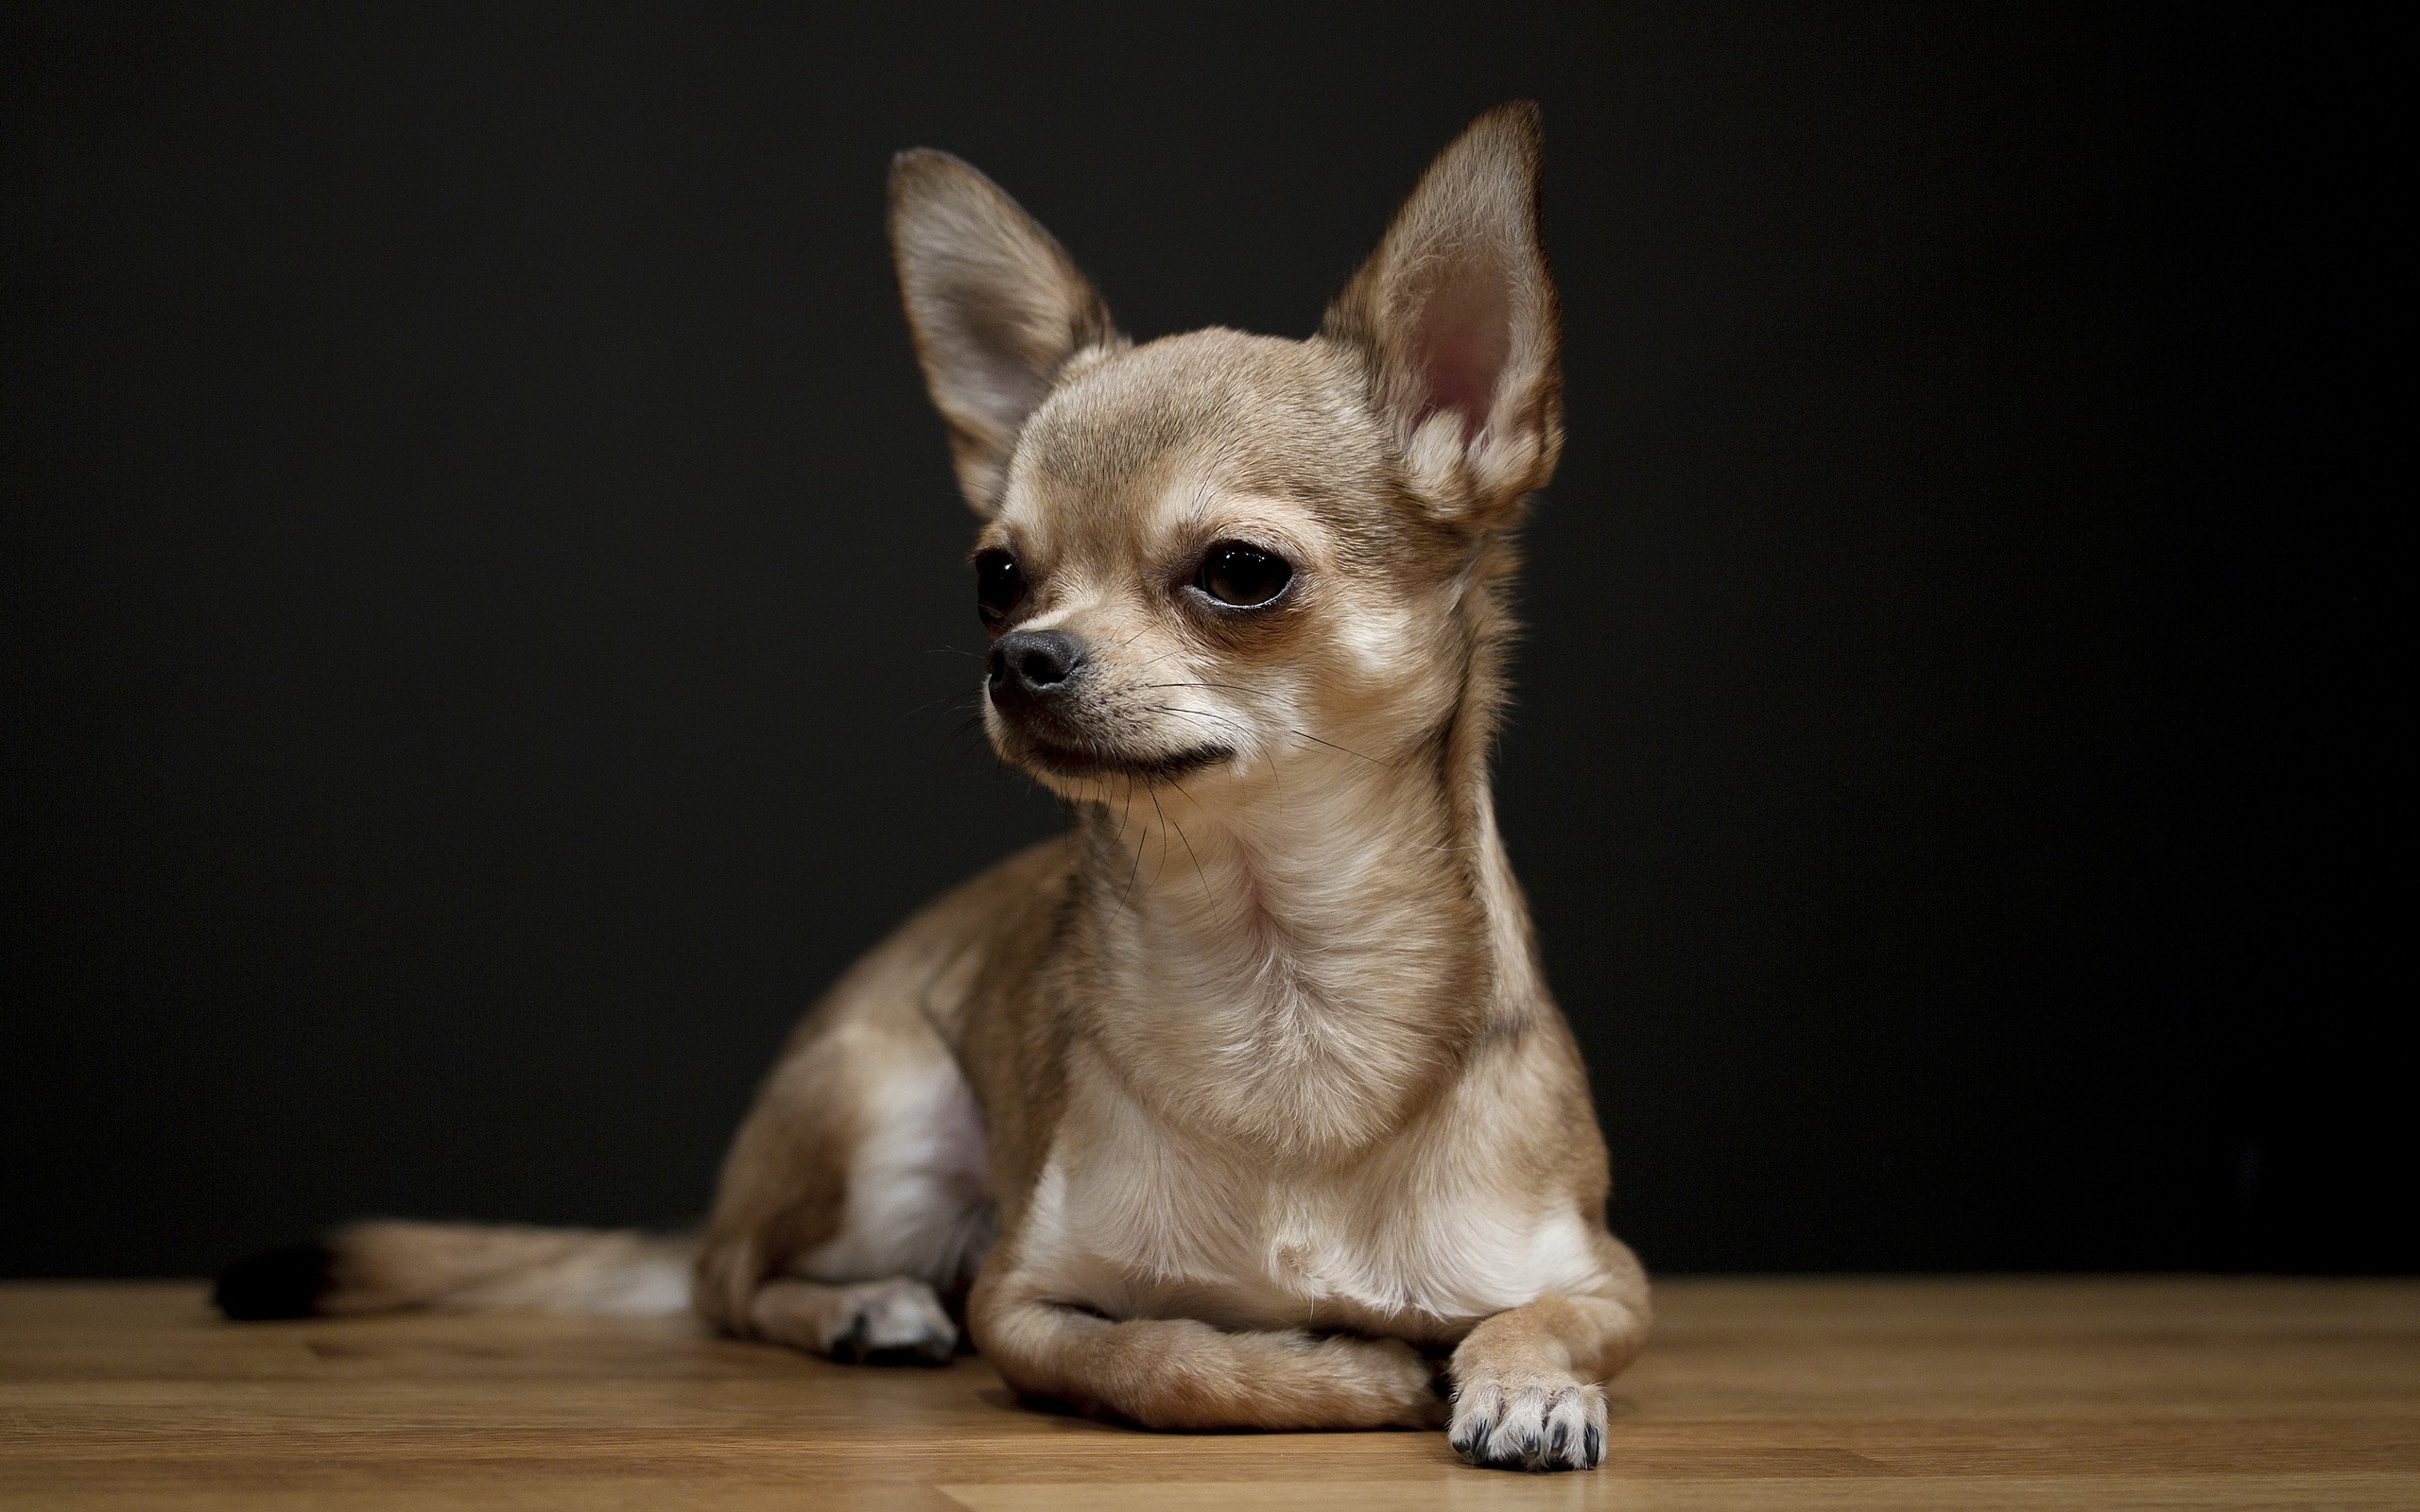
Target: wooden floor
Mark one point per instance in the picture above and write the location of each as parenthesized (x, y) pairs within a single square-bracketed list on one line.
[(1852, 1394)]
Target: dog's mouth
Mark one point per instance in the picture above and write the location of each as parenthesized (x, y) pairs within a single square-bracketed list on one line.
[(1071, 761)]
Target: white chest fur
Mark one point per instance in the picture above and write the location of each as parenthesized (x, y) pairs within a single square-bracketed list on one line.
[(1137, 1220)]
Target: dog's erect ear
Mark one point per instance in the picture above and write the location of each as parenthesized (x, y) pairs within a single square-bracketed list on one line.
[(1455, 313), (995, 304)]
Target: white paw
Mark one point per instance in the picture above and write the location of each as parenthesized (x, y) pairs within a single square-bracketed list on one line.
[(898, 1321), (1528, 1425)]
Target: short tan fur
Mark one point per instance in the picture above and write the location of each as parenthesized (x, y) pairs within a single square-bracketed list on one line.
[(1243, 1104)]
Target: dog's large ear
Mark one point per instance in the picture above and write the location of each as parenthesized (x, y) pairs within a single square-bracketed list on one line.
[(995, 304), (1455, 315)]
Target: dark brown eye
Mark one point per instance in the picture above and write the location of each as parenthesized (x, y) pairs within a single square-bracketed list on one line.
[(999, 588), (1243, 576)]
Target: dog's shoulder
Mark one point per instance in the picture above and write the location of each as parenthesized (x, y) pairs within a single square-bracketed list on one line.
[(937, 961)]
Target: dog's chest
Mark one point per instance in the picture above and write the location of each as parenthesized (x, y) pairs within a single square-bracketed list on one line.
[(1133, 1220)]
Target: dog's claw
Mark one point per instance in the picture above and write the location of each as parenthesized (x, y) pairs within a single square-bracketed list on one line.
[(1468, 1437)]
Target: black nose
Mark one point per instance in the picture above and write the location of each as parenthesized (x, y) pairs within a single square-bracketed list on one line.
[(1034, 663)]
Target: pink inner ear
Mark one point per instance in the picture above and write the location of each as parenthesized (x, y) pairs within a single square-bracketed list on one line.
[(1462, 339)]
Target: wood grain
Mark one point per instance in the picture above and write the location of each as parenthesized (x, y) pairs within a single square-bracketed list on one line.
[(1836, 1393)]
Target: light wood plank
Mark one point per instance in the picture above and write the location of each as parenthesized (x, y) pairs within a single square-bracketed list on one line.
[(1613, 1490), (1886, 1394)]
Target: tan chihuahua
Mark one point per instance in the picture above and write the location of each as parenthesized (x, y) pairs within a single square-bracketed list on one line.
[(1244, 1102)]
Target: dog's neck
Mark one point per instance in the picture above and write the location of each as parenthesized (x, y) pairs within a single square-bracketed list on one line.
[(1298, 960)]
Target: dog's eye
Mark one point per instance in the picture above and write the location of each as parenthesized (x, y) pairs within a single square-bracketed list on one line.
[(1243, 576), (999, 588)]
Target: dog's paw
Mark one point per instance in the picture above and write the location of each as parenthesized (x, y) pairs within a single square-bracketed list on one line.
[(1528, 1425), (897, 1321)]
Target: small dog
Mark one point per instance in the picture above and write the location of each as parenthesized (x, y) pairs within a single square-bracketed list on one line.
[(1243, 1104)]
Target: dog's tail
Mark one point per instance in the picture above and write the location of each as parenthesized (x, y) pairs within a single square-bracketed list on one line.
[(384, 1265)]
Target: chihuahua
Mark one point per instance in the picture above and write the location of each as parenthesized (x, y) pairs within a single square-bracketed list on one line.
[(1243, 1104)]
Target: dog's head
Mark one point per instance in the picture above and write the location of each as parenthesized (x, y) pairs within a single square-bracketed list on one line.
[(1207, 553)]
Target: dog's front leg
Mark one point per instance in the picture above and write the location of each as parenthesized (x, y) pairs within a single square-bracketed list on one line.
[(1526, 1392), (1177, 1373)]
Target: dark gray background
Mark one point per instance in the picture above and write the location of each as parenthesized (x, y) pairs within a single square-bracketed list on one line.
[(479, 577)]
